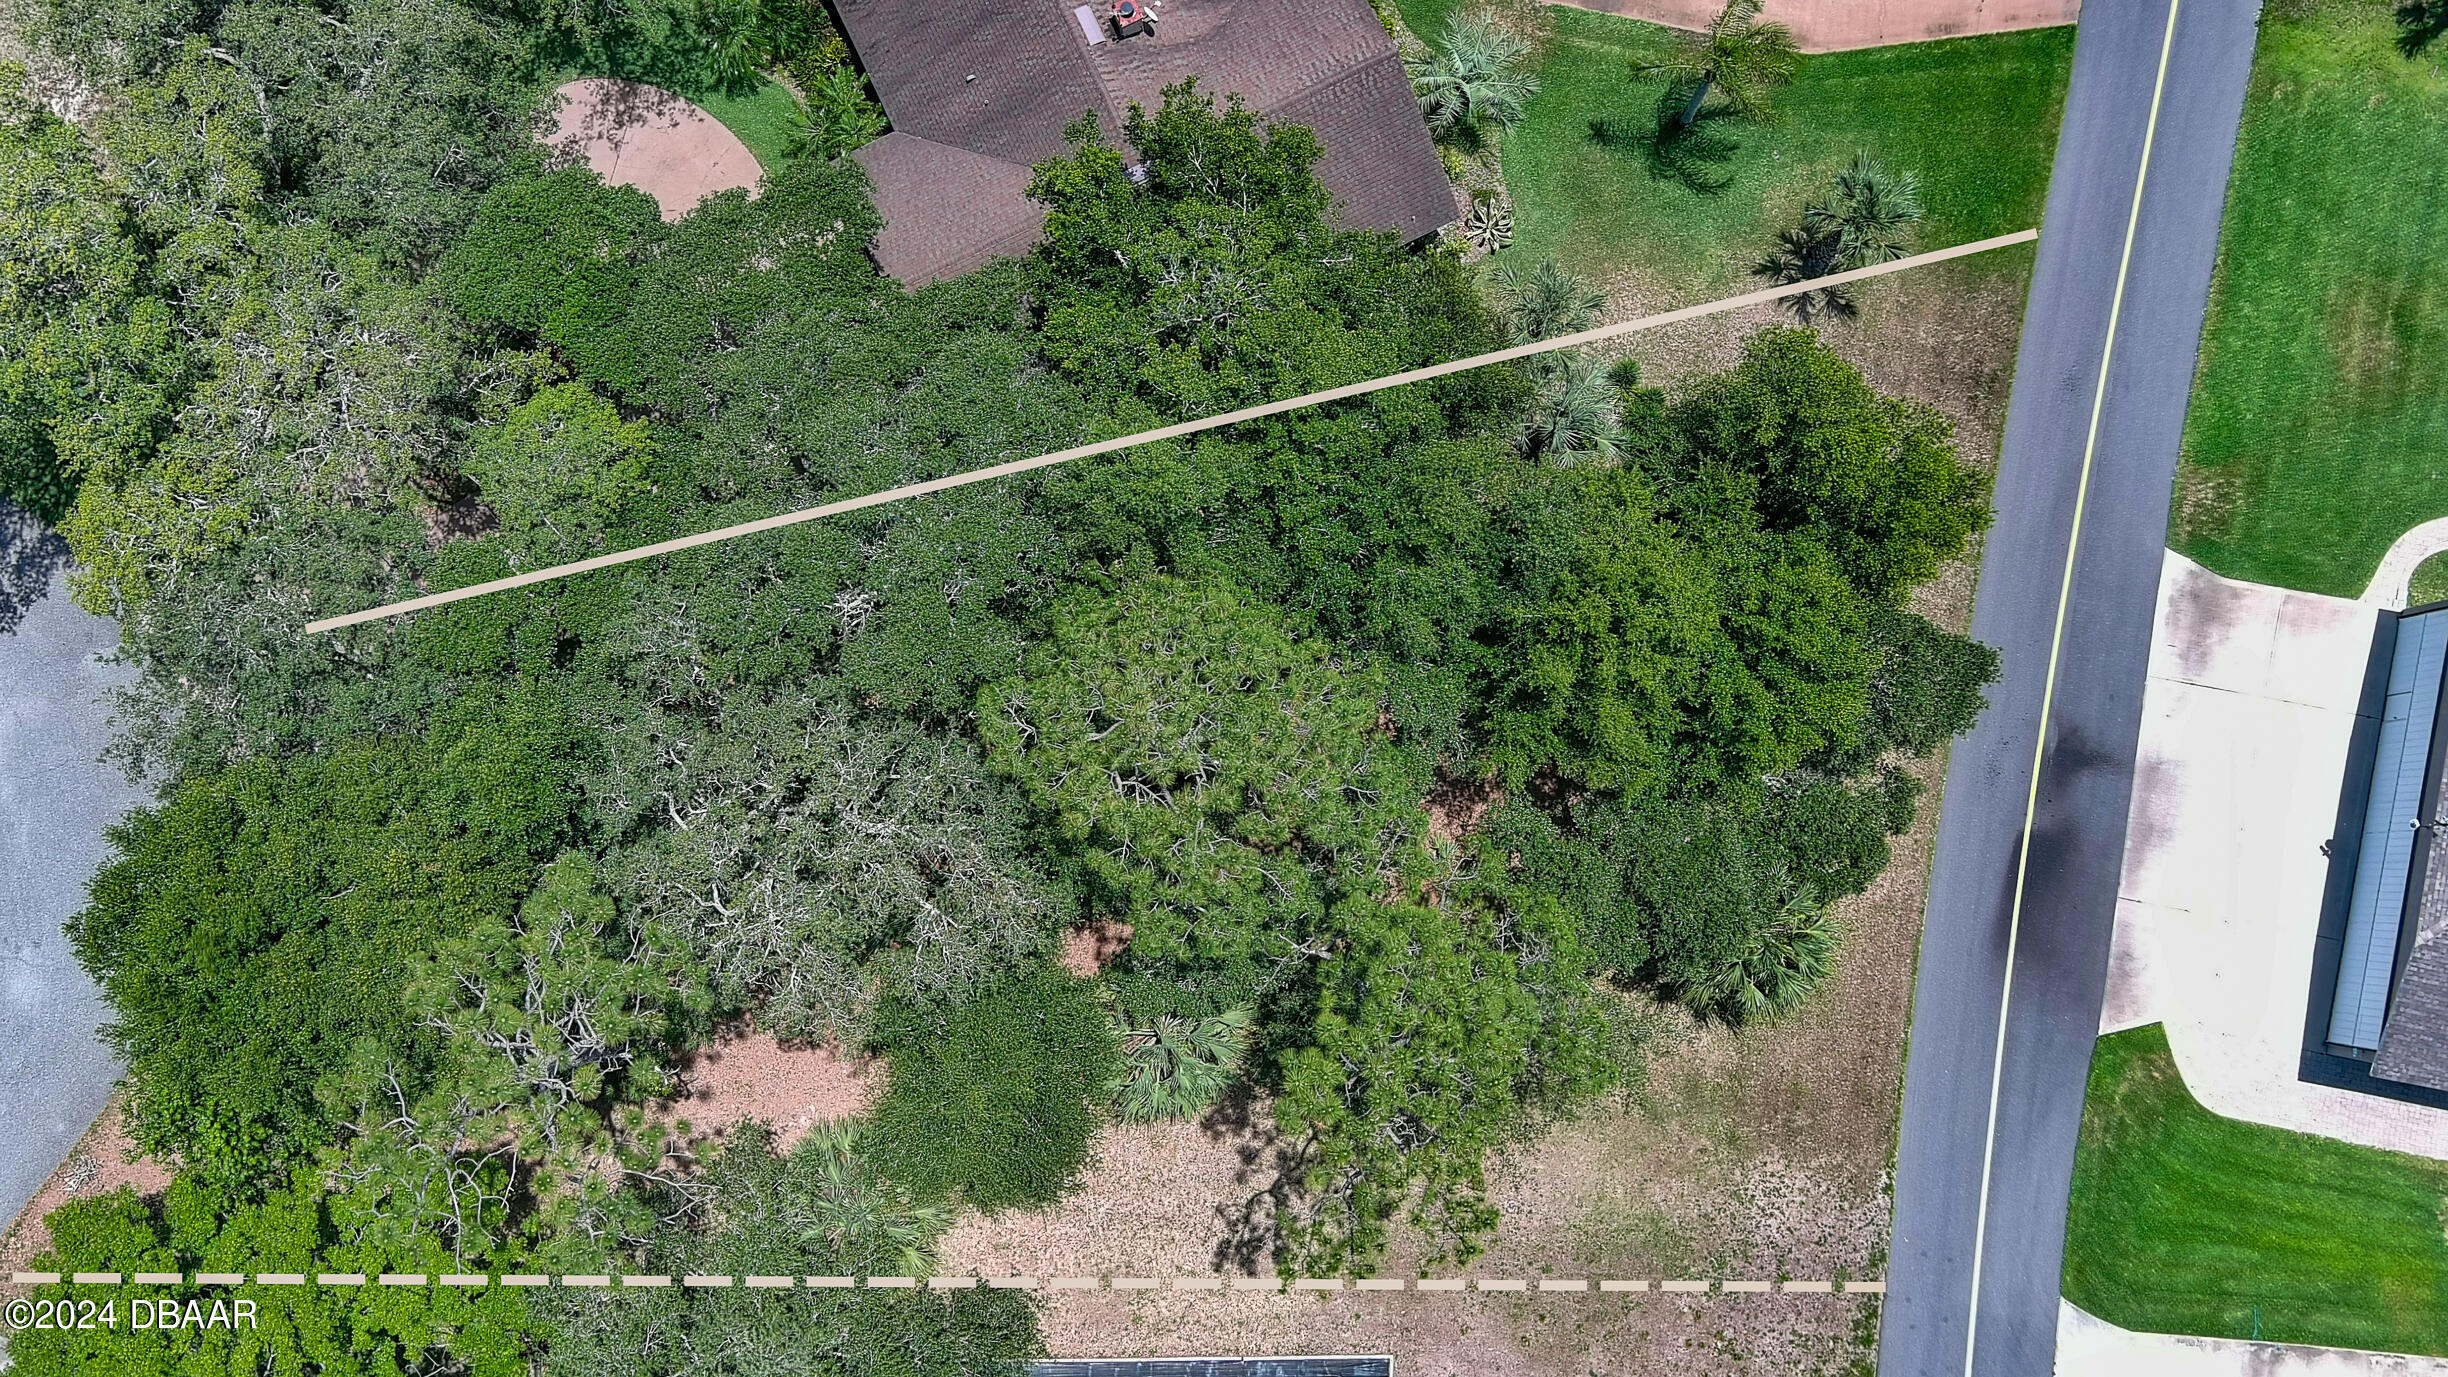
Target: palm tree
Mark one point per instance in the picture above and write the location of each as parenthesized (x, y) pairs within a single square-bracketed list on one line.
[(1573, 412), (837, 117), (869, 1223), (1871, 212), (1741, 57), (1476, 82), (1784, 961), (1545, 302), (1176, 1067), (1868, 217)]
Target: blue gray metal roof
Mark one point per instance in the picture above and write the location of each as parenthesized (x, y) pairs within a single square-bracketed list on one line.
[(2377, 909)]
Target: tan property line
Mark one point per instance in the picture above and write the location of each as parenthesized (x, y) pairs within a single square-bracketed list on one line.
[(1693, 1286), (1173, 432)]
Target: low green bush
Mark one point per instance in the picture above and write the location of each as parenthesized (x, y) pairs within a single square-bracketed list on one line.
[(994, 1100)]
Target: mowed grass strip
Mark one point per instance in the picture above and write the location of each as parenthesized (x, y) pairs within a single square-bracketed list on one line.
[(2319, 425), (2184, 1222), (1974, 118)]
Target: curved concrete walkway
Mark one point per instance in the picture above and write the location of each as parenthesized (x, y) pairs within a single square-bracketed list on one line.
[(1823, 26), (56, 799), (2392, 586)]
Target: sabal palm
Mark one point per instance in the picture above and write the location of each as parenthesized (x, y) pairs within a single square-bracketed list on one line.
[(837, 117), (1574, 412), (1871, 212), (1545, 302), (1177, 1067), (1867, 218), (1741, 57), (1784, 961), (869, 1223), (1476, 82)]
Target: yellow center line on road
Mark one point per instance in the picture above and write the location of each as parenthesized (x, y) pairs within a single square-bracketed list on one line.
[(1173, 432), (2048, 684)]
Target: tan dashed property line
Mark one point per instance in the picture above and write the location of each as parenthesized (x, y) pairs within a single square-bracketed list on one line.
[(1546, 1285), (1173, 432)]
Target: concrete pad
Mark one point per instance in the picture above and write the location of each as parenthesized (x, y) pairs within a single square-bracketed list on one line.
[(643, 136), (2088, 1346), (2247, 715)]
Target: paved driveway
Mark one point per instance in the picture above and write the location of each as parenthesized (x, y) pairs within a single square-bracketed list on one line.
[(55, 801), (2246, 720)]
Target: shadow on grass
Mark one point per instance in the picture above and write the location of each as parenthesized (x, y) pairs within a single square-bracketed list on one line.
[(1694, 156), (2420, 23)]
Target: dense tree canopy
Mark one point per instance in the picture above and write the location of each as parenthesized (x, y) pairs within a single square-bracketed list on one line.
[(252, 932), (294, 321), (1222, 778), (326, 1331)]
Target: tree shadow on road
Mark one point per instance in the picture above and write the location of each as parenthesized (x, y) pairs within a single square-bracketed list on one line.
[(31, 555)]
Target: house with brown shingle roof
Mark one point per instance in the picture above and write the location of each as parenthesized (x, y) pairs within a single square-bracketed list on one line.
[(980, 90)]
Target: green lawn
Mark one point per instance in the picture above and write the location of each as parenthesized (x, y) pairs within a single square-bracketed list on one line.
[(1974, 118), (2184, 1222), (2430, 583), (762, 118), (2319, 427)]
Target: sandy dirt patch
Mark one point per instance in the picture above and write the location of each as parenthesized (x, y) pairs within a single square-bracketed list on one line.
[(101, 1162), (741, 1074), (1094, 945), (643, 136), (1822, 26)]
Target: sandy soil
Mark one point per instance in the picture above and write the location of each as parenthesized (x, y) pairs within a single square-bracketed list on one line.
[(646, 137), (1092, 946), (102, 1161), (741, 1074), (1827, 25)]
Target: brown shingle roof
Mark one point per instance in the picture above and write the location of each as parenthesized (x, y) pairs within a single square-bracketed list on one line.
[(947, 209), (1386, 174), (1324, 63)]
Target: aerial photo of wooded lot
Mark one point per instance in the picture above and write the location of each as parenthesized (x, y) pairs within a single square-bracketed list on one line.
[(1380, 785)]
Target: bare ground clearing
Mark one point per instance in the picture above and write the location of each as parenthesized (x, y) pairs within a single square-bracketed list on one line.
[(742, 1074), (643, 136), (102, 1161), (1822, 26)]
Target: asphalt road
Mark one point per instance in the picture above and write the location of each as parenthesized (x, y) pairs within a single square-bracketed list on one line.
[(2077, 815), (55, 801)]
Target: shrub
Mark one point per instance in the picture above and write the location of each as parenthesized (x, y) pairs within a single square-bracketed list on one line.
[(995, 1100), (823, 1209)]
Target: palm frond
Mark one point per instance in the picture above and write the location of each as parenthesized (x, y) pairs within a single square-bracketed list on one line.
[(1176, 1067)]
